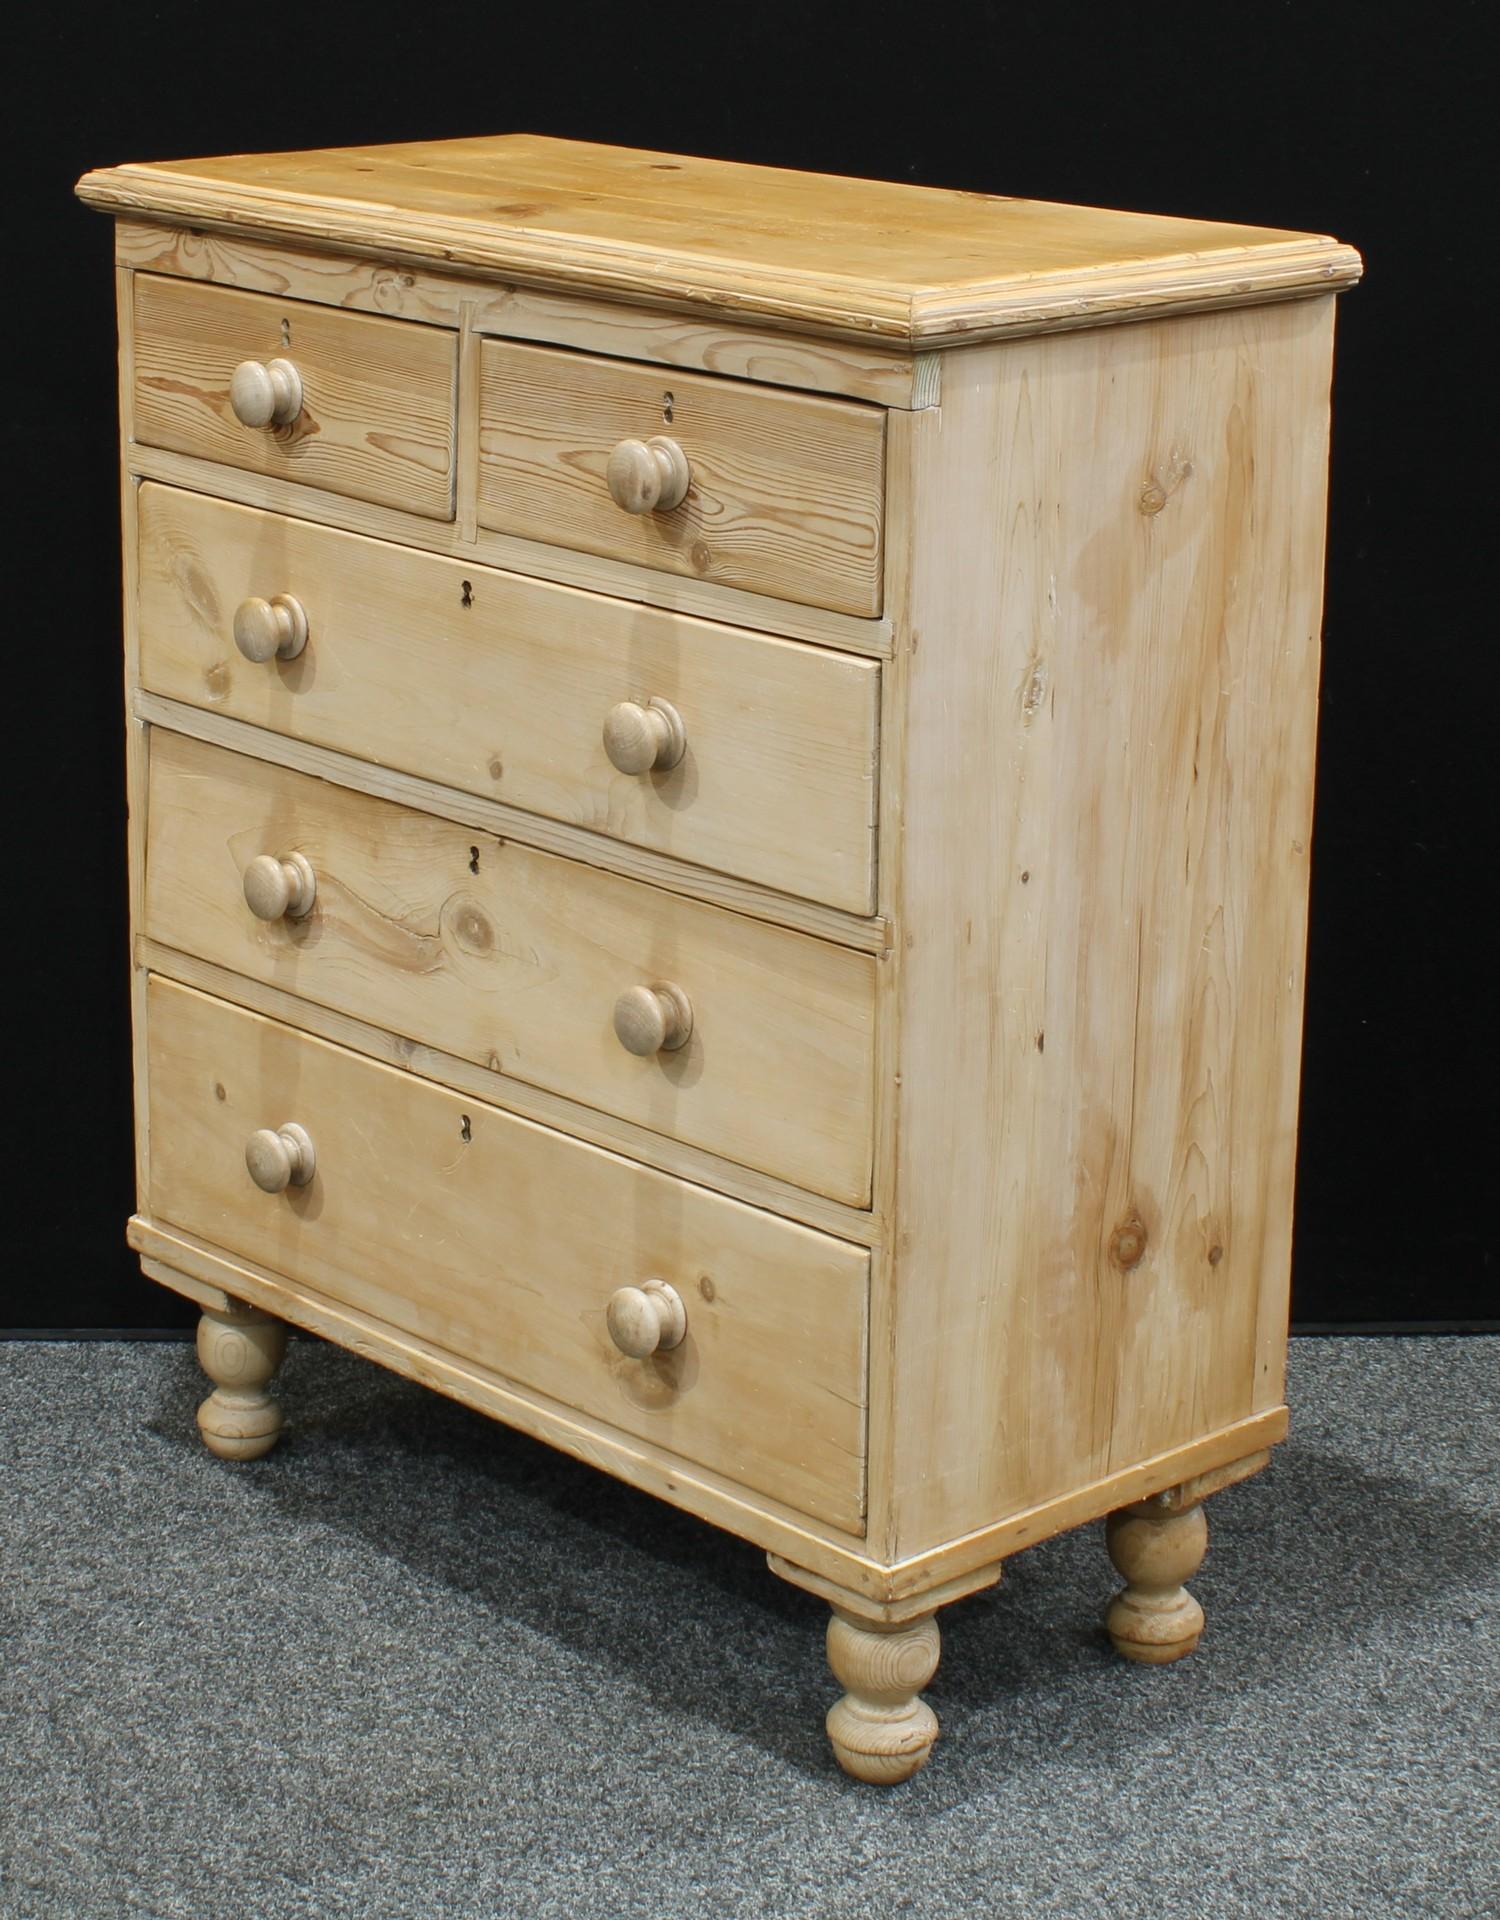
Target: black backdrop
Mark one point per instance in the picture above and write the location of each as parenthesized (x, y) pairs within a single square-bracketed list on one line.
[(1333, 118)]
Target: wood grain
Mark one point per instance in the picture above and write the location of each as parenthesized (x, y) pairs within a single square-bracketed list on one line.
[(210, 1276), (884, 1612), (1154, 1619), (858, 1224), (881, 1729), (702, 344), (239, 1348), (644, 586), (785, 492), (863, 934), (514, 959), (501, 685), (1106, 801), (200, 1272), (868, 260), (501, 1242), (377, 419), (136, 732)]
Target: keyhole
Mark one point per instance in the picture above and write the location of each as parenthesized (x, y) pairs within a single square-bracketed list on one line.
[(464, 1132), (473, 859), (468, 587), (286, 333), (667, 404)]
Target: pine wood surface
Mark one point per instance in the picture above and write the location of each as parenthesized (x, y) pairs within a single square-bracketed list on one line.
[(1156, 1546), (785, 493), (860, 1224), (880, 1728), (212, 1276), (862, 933), (377, 419), (239, 1348), (568, 566), (136, 731), (501, 685), (871, 260), (501, 1242), (705, 344), (515, 959), (1107, 785)]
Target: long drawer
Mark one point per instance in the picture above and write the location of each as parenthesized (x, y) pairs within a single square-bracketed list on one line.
[(506, 687), (374, 398), (502, 1242), (519, 961), (756, 487)]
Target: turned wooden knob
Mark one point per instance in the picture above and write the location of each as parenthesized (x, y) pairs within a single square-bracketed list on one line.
[(655, 1019), (270, 629), (280, 888), (280, 1159), (646, 1319), (648, 476), (641, 738), (265, 394)]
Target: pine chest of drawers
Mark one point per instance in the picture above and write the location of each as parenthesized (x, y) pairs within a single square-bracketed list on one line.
[(720, 777)]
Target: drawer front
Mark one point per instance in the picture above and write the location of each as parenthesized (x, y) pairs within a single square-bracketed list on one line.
[(502, 1242), (503, 686), (376, 396), (516, 960), (785, 491)]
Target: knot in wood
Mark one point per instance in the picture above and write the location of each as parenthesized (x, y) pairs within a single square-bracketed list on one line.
[(1127, 1244)]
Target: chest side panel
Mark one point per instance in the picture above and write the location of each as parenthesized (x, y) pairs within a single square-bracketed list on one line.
[(1113, 611)]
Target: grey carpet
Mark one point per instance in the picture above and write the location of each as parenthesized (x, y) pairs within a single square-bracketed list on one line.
[(414, 1665)]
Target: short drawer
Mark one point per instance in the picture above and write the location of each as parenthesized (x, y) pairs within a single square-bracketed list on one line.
[(784, 491), (503, 1242), (518, 960), (506, 686), (374, 398)]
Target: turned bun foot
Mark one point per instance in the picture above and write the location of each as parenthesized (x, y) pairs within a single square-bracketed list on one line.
[(1154, 1618), (239, 1351), (881, 1731)]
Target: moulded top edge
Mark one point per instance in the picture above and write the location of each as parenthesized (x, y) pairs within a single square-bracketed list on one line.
[(861, 259)]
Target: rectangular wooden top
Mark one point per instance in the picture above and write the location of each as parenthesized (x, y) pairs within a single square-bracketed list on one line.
[(919, 266)]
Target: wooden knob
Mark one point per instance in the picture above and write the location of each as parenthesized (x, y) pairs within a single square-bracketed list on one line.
[(265, 394), (280, 888), (640, 738), (281, 1159), (648, 476), (270, 629), (646, 1319), (655, 1019)]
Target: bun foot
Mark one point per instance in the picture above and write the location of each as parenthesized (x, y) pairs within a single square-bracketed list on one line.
[(1154, 1619), (881, 1731), (239, 1351)]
